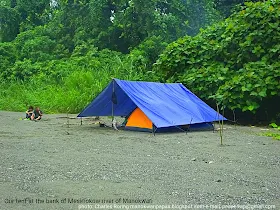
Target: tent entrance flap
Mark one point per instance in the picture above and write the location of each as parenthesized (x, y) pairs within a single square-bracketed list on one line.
[(138, 119)]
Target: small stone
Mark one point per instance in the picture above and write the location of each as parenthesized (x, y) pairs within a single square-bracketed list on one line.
[(219, 180), (210, 162), (193, 159)]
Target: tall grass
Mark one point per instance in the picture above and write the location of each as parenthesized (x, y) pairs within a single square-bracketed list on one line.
[(68, 95)]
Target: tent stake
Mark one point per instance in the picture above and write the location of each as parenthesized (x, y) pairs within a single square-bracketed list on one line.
[(81, 121)]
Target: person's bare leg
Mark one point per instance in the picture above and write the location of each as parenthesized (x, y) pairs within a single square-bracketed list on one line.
[(32, 117)]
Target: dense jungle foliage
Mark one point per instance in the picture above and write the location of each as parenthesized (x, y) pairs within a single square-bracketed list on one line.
[(234, 62), (59, 54)]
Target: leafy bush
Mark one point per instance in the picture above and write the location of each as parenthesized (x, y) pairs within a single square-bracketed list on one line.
[(274, 125), (234, 62), (8, 56)]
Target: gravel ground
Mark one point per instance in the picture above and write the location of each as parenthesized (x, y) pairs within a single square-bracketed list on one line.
[(46, 161)]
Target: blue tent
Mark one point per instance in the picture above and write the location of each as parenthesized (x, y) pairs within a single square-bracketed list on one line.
[(166, 105)]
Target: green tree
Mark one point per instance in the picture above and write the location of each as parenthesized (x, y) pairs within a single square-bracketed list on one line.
[(225, 7), (9, 23), (32, 12), (38, 45), (8, 56)]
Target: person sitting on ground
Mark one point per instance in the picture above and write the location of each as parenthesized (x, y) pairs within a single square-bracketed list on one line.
[(29, 112), (37, 114)]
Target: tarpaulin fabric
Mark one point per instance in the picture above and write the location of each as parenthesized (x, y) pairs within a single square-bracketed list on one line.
[(165, 104)]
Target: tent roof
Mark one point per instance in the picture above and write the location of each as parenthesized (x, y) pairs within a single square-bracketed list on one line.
[(165, 104)]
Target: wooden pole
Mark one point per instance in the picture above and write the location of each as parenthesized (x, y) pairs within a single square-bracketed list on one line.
[(67, 120), (234, 118), (221, 136), (223, 123), (113, 102)]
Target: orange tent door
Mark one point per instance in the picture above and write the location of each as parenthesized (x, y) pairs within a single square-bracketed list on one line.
[(138, 119)]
